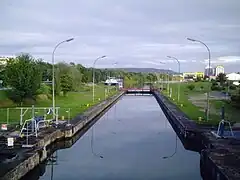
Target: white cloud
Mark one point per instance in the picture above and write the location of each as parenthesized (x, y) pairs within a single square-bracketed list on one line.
[(224, 60), (152, 63)]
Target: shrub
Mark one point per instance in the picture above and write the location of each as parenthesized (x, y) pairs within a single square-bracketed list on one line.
[(214, 83), (44, 89), (191, 87), (236, 100), (232, 87), (216, 88)]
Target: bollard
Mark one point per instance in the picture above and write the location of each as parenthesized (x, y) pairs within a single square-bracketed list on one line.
[(222, 112), (62, 117)]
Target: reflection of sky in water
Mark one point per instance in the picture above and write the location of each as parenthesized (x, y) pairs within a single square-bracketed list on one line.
[(132, 136)]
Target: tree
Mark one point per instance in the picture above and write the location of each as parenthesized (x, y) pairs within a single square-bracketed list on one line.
[(222, 78), (66, 83), (24, 75), (76, 77)]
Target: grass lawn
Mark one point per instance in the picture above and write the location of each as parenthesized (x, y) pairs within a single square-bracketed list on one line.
[(76, 102), (191, 110), (231, 113)]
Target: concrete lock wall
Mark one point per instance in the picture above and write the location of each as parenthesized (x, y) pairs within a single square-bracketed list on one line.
[(40, 153)]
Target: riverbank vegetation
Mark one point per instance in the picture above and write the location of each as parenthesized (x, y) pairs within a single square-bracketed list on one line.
[(193, 98), (29, 82)]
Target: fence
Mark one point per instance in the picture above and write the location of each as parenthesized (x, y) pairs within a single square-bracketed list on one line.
[(20, 114)]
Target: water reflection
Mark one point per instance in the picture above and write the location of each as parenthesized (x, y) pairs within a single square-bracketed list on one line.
[(142, 145), (175, 149), (52, 161), (92, 145)]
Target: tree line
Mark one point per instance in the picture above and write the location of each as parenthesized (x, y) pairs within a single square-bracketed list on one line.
[(28, 77)]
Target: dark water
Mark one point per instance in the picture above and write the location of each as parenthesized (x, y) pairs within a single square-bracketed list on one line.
[(132, 138)]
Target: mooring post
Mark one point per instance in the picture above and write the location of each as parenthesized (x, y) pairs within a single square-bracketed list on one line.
[(21, 117), (33, 119), (27, 135), (57, 115), (223, 112), (222, 124), (7, 115), (69, 111)]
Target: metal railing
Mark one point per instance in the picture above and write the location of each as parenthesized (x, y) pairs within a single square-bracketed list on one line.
[(37, 126), (26, 128), (219, 127)]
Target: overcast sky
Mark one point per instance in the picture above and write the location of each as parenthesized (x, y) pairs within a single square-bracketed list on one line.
[(134, 33)]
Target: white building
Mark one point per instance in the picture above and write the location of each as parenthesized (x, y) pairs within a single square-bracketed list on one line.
[(219, 70), (4, 59), (209, 71), (233, 77), (112, 81)]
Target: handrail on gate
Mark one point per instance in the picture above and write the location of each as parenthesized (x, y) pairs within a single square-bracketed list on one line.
[(219, 127), (42, 121), (23, 127)]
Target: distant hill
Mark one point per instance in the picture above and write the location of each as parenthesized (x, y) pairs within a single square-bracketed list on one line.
[(147, 70)]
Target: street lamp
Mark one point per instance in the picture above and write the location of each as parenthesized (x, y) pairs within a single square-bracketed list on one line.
[(209, 63), (53, 74), (93, 95), (113, 65), (162, 76), (171, 57)]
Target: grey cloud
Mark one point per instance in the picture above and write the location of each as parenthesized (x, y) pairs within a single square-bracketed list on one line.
[(128, 32)]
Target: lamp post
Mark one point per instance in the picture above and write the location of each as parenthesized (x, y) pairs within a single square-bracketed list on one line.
[(93, 95), (209, 64), (113, 65), (53, 78), (168, 79), (171, 57), (162, 77)]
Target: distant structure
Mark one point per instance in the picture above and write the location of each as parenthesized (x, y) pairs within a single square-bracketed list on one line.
[(193, 75), (214, 72), (4, 59), (112, 81), (233, 77), (218, 70), (209, 71)]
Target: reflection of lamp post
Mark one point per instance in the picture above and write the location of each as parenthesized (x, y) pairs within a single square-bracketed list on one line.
[(175, 150), (209, 65), (178, 96), (53, 78), (93, 95), (97, 155)]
